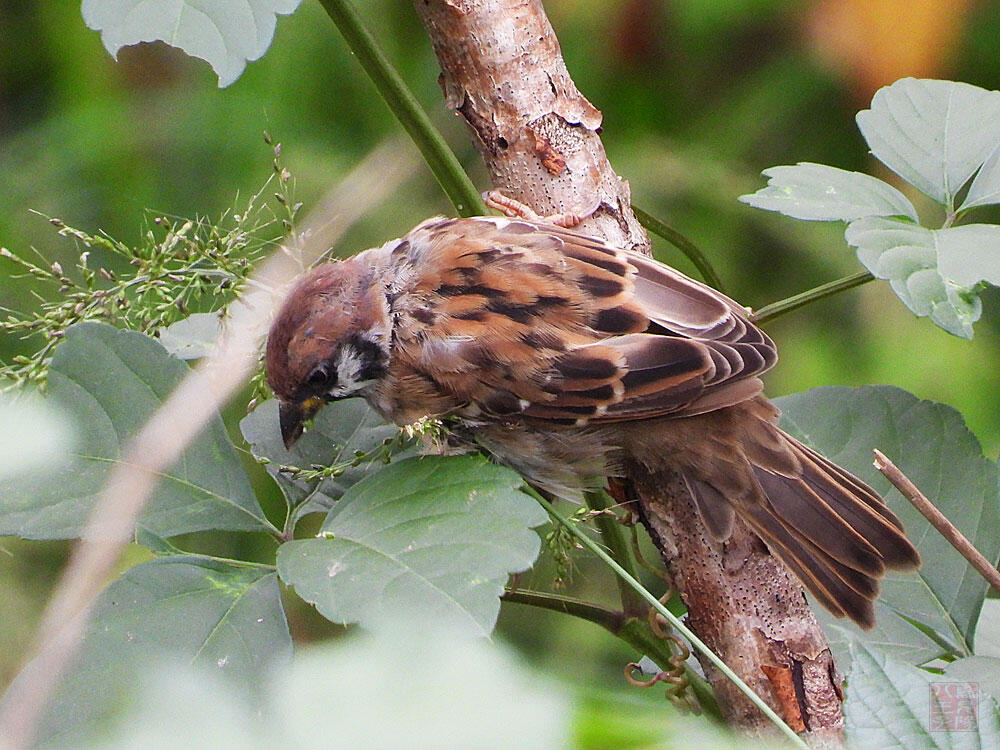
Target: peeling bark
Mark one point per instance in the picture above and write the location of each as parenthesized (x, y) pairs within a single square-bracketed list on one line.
[(503, 71)]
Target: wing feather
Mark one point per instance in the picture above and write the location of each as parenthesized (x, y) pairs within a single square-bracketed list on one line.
[(561, 327)]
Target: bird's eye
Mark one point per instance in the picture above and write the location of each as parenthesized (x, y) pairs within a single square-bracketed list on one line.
[(318, 376)]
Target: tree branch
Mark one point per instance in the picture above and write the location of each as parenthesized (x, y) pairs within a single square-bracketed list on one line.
[(502, 70), (704, 650)]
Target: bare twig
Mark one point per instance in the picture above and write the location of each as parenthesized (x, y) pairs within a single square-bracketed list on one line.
[(938, 520), (171, 428)]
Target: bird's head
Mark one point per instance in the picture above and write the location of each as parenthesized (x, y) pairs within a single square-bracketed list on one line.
[(329, 341)]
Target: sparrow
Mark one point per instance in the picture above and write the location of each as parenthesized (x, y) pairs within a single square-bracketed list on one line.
[(567, 359)]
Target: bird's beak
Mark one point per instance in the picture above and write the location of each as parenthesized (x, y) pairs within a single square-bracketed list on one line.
[(292, 416)]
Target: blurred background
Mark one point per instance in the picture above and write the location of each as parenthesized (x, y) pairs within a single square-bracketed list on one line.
[(698, 97)]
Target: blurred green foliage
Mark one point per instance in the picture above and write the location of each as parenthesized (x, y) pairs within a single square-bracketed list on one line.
[(697, 98)]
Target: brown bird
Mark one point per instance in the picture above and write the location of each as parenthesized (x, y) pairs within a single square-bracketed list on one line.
[(565, 358)]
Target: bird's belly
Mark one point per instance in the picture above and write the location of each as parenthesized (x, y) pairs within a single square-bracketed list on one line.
[(563, 462)]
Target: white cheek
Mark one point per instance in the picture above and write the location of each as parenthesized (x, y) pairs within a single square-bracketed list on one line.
[(348, 374), (349, 370)]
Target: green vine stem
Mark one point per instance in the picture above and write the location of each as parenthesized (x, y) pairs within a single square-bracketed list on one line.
[(811, 295), (682, 243), (608, 619), (634, 631), (619, 546), (679, 626), (441, 160)]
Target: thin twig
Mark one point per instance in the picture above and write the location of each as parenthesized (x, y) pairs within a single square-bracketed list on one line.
[(938, 520), (162, 440), (810, 295), (613, 535), (632, 630)]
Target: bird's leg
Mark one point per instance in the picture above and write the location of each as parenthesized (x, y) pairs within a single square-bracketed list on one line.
[(517, 210)]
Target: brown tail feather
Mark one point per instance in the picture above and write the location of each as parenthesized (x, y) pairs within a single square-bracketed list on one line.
[(843, 591), (831, 529), (871, 517), (803, 511)]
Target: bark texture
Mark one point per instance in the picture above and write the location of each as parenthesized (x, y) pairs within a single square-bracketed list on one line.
[(749, 608), (503, 71)]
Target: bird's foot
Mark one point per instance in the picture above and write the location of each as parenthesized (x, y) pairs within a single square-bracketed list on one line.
[(517, 210)]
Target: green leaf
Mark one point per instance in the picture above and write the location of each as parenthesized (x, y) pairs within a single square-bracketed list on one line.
[(892, 704), (897, 635), (431, 537), (969, 254), (159, 546), (339, 431), (225, 33), (816, 192), (403, 690), (988, 630), (983, 671), (195, 610), (907, 255), (106, 383), (932, 446), (985, 188), (933, 134), (33, 435), (192, 337)]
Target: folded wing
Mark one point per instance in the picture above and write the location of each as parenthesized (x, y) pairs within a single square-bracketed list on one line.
[(561, 327)]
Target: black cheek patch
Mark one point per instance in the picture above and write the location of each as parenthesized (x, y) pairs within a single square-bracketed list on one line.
[(373, 360)]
